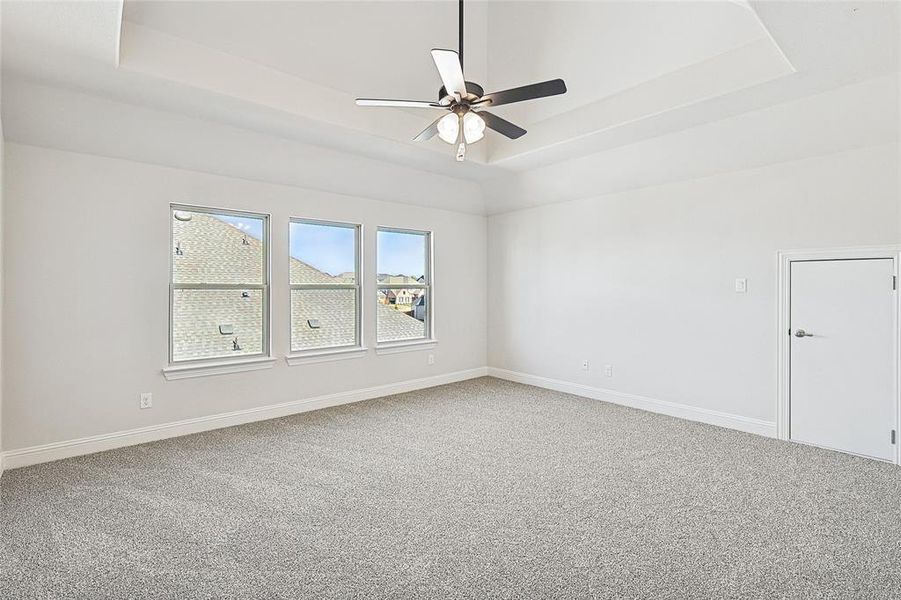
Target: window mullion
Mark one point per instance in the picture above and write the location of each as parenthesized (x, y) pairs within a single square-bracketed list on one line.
[(395, 286), (220, 286), (324, 286)]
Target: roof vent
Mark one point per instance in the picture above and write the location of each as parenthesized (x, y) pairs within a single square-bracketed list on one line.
[(181, 215), (178, 250), (245, 294), (244, 241), (227, 329), (235, 345), (313, 323)]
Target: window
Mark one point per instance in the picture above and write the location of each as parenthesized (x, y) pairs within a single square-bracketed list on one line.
[(219, 284), (325, 285), (404, 285)]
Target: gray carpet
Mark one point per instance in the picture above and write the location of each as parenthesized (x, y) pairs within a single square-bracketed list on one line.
[(472, 490)]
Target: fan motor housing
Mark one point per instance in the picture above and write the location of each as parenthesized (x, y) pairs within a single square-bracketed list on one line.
[(473, 92)]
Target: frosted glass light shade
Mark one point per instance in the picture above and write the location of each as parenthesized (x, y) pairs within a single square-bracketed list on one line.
[(449, 128), (473, 127)]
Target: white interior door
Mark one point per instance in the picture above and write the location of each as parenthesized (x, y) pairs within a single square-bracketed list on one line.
[(842, 355)]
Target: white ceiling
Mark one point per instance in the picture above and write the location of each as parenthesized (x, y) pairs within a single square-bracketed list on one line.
[(381, 49), (375, 49), (640, 75), (601, 48)]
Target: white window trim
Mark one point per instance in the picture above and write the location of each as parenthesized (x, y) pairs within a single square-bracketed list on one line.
[(406, 346), (222, 364), (296, 357), (320, 356), (429, 340), (207, 368)]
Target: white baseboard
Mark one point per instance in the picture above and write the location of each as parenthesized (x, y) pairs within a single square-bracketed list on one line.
[(33, 455), (673, 409)]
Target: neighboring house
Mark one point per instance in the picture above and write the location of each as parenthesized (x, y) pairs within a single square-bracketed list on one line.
[(206, 323), (401, 297), (406, 297), (420, 308)]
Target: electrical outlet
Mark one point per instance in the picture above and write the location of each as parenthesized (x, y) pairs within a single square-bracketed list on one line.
[(608, 370), (741, 285), (431, 359), (584, 365), (146, 400)]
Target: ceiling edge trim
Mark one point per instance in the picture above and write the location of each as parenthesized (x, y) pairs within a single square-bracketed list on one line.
[(120, 17), (769, 34)]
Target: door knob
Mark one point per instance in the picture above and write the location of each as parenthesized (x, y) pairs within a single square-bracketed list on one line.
[(801, 333)]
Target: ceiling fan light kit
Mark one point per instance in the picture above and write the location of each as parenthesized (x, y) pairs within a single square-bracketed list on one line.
[(448, 126), (465, 101)]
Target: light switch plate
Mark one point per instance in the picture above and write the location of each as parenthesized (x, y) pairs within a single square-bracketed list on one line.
[(741, 285)]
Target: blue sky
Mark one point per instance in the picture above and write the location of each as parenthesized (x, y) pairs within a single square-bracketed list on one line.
[(252, 227), (401, 253), (331, 249)]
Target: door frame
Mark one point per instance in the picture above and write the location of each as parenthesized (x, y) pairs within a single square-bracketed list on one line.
[(783, 388)]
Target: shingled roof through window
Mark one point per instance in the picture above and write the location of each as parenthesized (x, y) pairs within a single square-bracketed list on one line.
[(214, 252)]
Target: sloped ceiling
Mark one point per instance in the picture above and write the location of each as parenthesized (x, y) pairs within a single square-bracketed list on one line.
[(622, 61), (641, 75)]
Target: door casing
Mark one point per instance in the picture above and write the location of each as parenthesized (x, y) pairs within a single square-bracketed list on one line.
[(783, 387)]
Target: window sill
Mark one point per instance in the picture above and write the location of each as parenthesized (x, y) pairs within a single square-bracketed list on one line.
[(217, 368), (396, 347), (318, 356)]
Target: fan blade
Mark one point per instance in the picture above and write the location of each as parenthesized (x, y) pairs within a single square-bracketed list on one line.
[(502, 126), (429, 132), (448, 63), (397, 103), (526, 92)]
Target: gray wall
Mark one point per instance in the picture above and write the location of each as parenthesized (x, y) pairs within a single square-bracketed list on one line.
[(87, 287), (644, 280)]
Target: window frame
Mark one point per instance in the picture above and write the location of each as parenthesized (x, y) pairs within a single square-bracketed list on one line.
[(428, 286), (357, 286), (266, 351)]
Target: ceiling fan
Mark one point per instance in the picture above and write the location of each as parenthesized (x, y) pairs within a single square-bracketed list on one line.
[(466, 102)]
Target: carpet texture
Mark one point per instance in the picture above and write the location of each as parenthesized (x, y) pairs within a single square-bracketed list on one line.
[(472, 490)]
